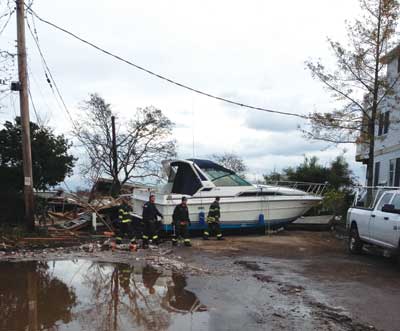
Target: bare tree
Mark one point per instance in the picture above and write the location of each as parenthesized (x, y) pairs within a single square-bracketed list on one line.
[(7, 56), (231, 161), (359, 82), (7, 70), (142, 142)]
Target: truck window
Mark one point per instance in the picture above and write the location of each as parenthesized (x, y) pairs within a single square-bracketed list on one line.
[(362, 198), (385, 200), (396, 201)]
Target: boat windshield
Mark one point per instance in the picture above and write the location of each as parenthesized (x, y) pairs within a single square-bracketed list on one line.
[(224, 178)]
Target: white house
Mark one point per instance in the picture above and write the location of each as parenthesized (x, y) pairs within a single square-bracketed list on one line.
[(387, 129)]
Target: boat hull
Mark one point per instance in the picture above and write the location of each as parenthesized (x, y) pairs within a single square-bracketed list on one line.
[(270, 212)]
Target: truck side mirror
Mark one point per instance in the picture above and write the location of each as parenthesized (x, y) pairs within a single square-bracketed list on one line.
[(388, 208)]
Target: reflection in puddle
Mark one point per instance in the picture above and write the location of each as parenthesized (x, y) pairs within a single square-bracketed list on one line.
[(85, 295)]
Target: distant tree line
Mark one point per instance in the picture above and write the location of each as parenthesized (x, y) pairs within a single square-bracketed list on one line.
[(337, 176)]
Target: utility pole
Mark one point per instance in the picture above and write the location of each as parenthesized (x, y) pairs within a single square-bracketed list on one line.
[(24, 106), (115, 185)]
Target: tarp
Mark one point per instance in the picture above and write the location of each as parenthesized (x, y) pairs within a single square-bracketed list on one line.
[(207, 164)]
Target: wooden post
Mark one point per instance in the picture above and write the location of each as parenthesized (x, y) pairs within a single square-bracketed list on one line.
[(32, 301), (116, 184), (94, 221), (25, 123)]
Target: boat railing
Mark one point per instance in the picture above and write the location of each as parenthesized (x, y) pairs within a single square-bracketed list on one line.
[(310, 188)]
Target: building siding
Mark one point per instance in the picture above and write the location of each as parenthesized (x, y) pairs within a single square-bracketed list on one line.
[(387, 144)]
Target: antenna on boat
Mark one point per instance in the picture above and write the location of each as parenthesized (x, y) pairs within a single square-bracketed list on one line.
[(193, 123)]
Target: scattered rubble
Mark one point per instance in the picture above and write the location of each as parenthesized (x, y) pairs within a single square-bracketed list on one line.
[(338, 316), (290, 289), (251, 265), (263, 278)]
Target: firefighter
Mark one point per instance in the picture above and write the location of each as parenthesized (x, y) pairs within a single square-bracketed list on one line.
[(150, 222), (124, 274), (213, 217), (180, 298), (125, 224), (181, 221)]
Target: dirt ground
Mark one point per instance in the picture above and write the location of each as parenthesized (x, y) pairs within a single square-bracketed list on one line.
[(289, 281), (304, 281)]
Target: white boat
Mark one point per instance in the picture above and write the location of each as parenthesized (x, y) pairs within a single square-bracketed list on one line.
[(242, 204)]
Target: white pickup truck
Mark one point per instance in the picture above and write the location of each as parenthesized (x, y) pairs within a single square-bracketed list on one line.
[(378, 225)]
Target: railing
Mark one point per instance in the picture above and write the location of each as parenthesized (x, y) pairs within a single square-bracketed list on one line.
[(310, 188)]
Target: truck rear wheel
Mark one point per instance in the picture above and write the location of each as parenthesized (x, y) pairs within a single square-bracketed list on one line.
[(355, 244)]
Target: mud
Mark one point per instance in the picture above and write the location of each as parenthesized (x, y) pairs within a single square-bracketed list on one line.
[(291, 281)]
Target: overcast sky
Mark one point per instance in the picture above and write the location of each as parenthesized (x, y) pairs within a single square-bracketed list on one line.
[(250, 51)]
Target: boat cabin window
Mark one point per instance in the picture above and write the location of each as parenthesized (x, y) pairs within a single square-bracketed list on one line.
[(225, 178), (258, 194), (200, 174), (184, 179)]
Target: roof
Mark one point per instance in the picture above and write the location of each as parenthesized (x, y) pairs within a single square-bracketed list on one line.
[(203, 164), (207, 164), (387, 58)]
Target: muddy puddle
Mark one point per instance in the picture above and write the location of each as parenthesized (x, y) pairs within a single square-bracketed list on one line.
[(87, 295)]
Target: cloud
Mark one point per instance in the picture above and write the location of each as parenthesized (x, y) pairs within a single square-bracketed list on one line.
[(260, 121), (254, 55)]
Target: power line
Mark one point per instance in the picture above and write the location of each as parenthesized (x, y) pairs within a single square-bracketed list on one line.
[(161, 76), (38, 88), (7, 21), (34, 108), (48, 74)]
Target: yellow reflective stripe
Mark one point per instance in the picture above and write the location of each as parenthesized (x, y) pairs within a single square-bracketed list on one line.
[(121, 210), (187, 240), (118, 238), (126, 221), (219, 235), (155, 237), (145, 237), (206, 233)]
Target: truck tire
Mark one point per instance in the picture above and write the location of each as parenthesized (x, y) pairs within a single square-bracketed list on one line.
[(354, 244)]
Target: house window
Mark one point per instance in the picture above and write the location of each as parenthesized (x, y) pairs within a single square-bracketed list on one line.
[(397, 173), (380, 123), (392, 164), (376, 174), (386, 122), (398, 64)]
